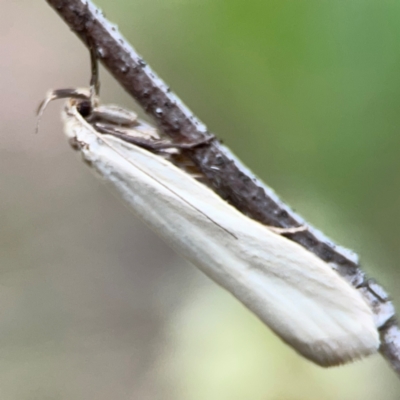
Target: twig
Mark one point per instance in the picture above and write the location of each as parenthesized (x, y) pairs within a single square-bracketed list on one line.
[(229, 178)]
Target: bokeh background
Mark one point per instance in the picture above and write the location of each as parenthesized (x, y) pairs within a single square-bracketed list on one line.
[(92, 304)]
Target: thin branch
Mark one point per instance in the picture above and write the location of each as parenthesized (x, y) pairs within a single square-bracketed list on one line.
[(229, 178)]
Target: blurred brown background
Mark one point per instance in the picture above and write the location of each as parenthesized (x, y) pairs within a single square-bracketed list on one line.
[(92, 304)]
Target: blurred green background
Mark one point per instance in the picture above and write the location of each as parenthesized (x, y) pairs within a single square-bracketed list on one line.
[(93, 305)]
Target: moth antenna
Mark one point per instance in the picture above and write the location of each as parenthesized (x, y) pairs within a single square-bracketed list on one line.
[(80, 94), (50, 96)]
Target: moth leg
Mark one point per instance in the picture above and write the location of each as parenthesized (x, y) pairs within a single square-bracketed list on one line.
[(285, 231), (145, 143), (149, 144), (113, 115), (94, 75), (188, 146)]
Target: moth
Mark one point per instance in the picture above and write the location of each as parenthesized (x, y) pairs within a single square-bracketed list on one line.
[(296, 294)]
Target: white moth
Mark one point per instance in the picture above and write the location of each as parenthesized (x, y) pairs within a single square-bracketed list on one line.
[(306, 303)]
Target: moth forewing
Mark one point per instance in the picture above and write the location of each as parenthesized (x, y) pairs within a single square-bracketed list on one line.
[(295, 293)]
